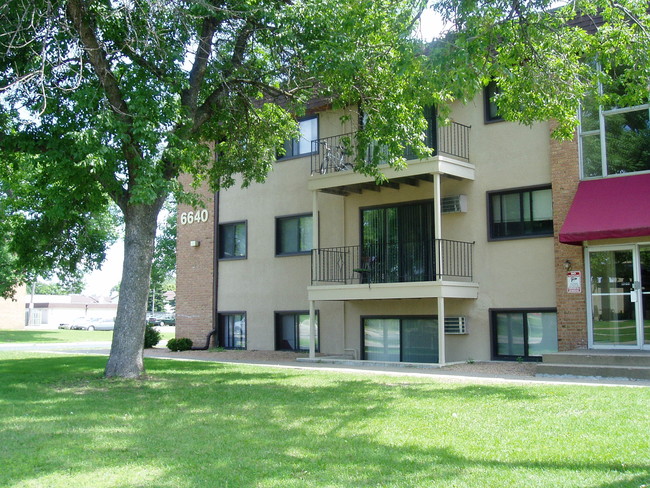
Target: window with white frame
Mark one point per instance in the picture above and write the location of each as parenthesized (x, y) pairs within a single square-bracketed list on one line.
[(613, 140)]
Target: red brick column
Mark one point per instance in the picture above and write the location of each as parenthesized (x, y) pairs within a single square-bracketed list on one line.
[(195, 270), (571, 307)]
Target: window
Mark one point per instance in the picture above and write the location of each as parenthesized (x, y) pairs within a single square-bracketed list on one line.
[(430, 136), (401, 339), (613, 140), (520, 213), (491, 109), (293, 235), (232, 240), (523, 334), (232, 330), (292, 331), (397, 243), (303, 144)]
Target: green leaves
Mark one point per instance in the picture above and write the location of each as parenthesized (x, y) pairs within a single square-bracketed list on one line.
[(541, 56)]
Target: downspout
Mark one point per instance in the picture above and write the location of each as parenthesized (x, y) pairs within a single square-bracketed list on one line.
[(215, 277)]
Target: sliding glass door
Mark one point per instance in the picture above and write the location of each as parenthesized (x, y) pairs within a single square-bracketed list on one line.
[(401, 339), (397, 243)]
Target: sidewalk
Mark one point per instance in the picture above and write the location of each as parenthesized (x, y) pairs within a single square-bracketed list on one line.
[(484, 372)]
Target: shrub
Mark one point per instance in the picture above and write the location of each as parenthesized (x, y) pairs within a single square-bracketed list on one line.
[(151, 336), (180, 344)]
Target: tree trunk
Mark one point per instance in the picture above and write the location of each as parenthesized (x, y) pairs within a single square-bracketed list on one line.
[(125, 359)]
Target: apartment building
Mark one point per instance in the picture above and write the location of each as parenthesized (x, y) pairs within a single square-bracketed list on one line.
[(454, 258)]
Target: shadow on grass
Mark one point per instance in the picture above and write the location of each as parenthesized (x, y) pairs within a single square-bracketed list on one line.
[(208, 424)]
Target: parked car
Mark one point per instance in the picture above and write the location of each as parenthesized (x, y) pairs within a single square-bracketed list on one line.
[(78, 323), (165, 319), (104, 324), (93, 324)]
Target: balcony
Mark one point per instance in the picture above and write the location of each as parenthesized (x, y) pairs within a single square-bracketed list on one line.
[(408, 270), (332, 162)]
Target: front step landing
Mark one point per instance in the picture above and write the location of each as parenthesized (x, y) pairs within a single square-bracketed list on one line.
[(597, 363)]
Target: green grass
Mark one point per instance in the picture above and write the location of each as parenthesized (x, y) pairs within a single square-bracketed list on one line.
[(194, 424), (56, 335), (62, 335)]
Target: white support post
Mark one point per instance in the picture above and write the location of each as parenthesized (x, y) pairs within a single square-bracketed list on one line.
[(315, 218), (441, 331), (437, 207), (312, 329), (437, 232), (312, 304)]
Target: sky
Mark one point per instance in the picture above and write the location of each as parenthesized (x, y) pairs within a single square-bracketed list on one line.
[(100, 282)]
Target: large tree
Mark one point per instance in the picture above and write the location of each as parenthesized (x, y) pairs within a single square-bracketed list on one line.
[(110, 100)]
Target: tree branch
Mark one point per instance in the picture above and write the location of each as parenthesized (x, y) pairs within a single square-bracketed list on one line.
[(142, 62), (205, 111), (275, 91), (189, 97), (99, 61)]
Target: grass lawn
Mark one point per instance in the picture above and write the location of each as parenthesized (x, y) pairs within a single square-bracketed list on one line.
[(195, 424), (61, 335)]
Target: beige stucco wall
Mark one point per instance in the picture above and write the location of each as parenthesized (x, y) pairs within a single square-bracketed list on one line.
[(264, 283), (511, 274)]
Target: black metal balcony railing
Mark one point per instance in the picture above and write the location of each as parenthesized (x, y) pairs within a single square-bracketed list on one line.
[(393, 263), (337, 153)]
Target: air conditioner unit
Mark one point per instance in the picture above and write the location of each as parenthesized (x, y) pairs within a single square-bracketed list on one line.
[(453, 204), (456, 325)]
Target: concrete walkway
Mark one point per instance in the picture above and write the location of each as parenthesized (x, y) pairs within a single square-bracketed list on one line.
[(483, 372)]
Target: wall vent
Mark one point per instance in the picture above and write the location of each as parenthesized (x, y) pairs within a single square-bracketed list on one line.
[(456, 325), (453, 204)]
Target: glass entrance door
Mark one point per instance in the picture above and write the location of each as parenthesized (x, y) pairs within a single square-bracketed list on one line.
[(644, 273), (620, 286)]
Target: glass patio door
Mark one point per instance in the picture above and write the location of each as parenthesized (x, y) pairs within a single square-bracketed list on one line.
[(620, 305)]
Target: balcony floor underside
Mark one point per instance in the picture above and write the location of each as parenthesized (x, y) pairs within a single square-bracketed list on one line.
[(386, 291), (346, 182)]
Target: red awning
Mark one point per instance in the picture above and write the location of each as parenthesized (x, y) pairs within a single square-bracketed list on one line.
[(609, 208)]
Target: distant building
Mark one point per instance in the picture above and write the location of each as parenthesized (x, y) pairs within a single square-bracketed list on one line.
[(53, 310), (12, 311)]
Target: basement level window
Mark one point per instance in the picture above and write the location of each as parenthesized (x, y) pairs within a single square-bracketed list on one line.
[(523, 334)]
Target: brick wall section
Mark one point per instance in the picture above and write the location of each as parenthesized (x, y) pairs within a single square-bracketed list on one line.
[(194, 273), (571, 308)]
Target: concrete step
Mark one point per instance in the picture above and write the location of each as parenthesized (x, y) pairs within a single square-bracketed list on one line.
[(600, 358), (607, 371)]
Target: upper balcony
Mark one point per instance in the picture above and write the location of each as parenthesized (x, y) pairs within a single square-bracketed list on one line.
[(332, 162)]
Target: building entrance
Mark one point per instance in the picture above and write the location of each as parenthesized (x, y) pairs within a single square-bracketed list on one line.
[(619, 301)]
